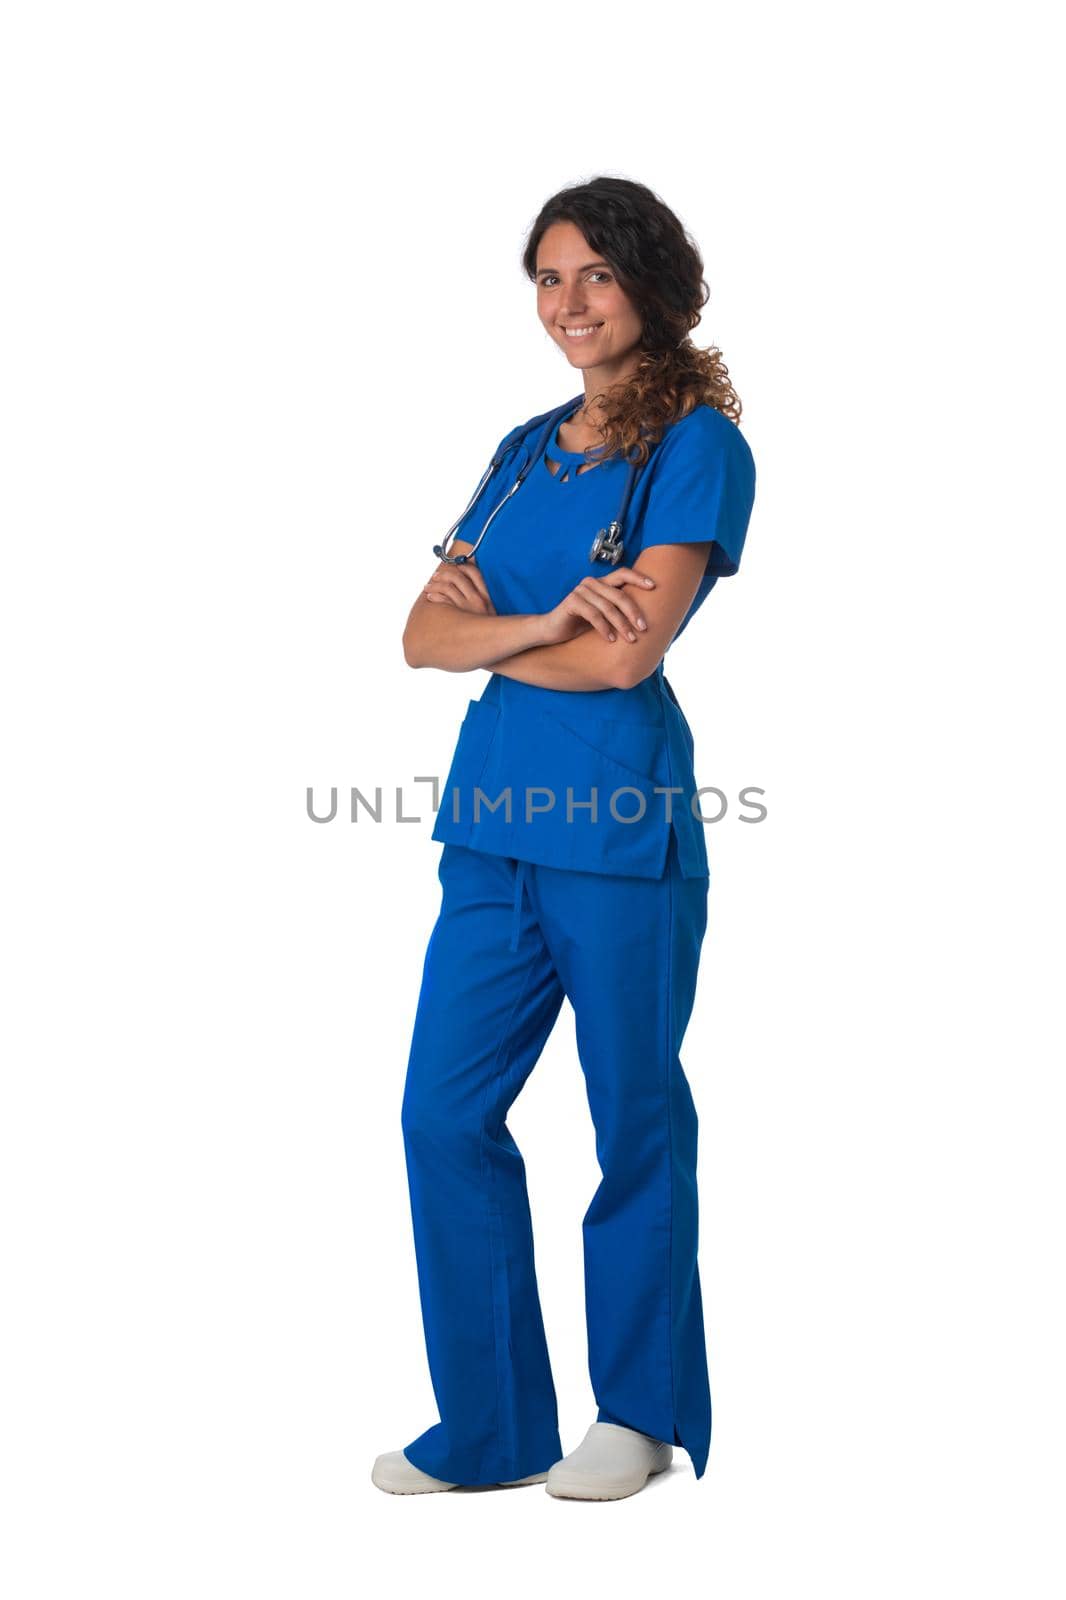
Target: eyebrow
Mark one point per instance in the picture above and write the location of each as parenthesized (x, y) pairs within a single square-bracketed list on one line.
[(585, 268)]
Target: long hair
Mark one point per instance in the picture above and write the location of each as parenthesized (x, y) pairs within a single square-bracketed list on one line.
[(660, 268)]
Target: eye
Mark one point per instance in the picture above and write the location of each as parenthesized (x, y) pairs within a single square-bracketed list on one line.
[(598, 272)]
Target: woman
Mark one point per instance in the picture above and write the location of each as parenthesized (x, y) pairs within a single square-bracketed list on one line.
[(574, 864)]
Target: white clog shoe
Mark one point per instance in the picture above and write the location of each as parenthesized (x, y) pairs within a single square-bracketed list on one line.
[(609, 1463), (396, 1475)]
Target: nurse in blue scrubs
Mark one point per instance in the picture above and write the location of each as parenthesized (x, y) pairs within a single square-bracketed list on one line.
[(574, 866)]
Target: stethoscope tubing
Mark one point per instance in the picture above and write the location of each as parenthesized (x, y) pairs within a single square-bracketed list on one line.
[(607, 545)]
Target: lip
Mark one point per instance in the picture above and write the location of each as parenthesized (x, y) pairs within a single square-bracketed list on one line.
[(577, 338)]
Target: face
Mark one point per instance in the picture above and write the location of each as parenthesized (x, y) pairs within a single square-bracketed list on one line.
[(576, 289)]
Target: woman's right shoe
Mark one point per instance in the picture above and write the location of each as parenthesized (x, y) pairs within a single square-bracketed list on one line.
[(396, 1475)]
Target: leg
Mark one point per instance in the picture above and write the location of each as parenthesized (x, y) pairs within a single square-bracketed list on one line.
[(627, 950), (484, 1014)]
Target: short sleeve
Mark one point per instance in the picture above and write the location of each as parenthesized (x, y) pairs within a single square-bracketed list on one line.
[(703, 487)]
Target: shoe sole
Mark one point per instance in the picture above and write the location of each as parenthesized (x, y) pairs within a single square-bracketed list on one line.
[(445, 1488), (388, 1490)]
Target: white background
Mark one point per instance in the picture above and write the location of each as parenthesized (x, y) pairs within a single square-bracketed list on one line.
[(263, 321)]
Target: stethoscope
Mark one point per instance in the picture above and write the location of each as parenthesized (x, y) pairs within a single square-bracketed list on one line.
[(608, 543)]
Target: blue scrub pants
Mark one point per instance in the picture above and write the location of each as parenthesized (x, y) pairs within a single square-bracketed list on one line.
[(511, 939)]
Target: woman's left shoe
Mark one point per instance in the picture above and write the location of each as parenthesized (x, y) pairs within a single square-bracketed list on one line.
[(610, 1463)]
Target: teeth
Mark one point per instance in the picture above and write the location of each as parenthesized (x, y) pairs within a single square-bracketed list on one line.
[(579, 333)]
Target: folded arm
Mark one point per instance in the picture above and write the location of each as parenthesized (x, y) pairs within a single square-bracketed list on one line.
[(465, 632), (592, 661), (608, 633)]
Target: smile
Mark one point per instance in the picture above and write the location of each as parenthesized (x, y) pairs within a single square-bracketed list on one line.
[(582, 333)]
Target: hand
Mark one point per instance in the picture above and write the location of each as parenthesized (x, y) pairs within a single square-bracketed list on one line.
[(601, 603), (462, 587)]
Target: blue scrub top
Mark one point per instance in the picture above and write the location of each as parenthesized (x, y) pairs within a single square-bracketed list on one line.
[(574, 778)]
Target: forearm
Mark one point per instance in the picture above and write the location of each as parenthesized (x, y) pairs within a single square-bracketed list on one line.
[(577, 665), (441, 635)]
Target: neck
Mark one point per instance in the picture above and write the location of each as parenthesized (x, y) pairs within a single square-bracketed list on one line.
[(597, 380)]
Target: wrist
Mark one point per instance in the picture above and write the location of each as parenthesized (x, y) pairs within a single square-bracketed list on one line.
[(537, 630)]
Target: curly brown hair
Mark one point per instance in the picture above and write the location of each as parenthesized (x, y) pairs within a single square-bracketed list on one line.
[(661, 270)]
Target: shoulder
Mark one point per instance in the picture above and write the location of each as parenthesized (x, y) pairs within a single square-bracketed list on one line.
[(510, 437), (520, 429), (706, 438)]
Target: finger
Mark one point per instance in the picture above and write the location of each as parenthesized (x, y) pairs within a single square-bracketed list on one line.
[(467, 585), (477, 578), (449, 569), (470, 585), (437, 591), (578, 605), (623, 575), (624, 612), (473, 603), (451, 583)]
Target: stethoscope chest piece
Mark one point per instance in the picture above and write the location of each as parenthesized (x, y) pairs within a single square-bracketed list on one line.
[(607, 545)]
